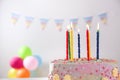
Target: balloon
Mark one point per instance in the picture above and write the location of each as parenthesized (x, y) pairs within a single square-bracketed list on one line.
[(33, 73), (12, 73), (23, 73), (36, 72), (39, 60), (24, 52), (16, 62), (30, 63)]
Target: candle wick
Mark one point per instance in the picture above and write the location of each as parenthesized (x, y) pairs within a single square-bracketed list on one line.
[(71, 25), (87, 26), (78, 30), (68, 27), (98, 25)]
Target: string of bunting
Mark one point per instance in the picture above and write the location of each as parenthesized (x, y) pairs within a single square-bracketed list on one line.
[(59, 22)]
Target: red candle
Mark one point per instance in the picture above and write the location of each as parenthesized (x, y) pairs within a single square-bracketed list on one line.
[(67, 33), (88, 42)]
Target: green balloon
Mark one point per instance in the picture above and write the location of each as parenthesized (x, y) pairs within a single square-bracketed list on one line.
[(24, 52)]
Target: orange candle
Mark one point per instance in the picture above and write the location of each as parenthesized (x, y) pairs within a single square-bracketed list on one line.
[(88, 42)]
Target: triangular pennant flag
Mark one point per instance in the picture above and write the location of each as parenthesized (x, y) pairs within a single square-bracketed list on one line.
[(88, 20), (28, 21), (74, 22), (43, 23), (14, 18), (59, 24), (103, 17)]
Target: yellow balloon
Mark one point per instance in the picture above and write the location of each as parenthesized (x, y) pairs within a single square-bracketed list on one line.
[(12, 73)]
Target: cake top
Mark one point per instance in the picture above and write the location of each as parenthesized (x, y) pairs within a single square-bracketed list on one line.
[(83, 60)]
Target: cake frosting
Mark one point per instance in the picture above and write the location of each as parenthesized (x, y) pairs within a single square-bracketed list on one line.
[(82, 69)]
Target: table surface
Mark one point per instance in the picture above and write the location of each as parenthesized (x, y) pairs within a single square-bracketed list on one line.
[(42, 78)]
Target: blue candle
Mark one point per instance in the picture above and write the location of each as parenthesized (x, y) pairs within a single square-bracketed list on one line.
[(78, 44), (97, 44)]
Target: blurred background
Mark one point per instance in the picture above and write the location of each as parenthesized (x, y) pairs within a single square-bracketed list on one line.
[(50, 42)]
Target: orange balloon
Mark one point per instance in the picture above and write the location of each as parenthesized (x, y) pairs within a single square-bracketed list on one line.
[(23, 73)]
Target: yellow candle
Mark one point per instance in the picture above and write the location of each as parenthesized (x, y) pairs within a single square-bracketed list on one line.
[(72, 43)]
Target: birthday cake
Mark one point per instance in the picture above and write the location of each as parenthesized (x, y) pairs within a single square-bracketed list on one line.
[(82, 69)]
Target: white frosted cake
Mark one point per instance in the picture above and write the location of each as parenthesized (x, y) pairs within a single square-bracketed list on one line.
[(89, 68), (82, 69)]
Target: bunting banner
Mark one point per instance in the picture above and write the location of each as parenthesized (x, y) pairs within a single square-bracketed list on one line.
[(43, 23), (74, 22), (59, 24), (88, 20), (28, 21), (14, 18), (103, 18)]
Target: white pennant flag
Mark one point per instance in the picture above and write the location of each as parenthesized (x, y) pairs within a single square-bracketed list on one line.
[(103, 18), (74, 22), (28, 21), (43, 23), (88, 20), (14, 18), (59, 24)]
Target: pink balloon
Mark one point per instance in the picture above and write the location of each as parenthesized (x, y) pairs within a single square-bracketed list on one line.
[(16, 62), (30, 63)]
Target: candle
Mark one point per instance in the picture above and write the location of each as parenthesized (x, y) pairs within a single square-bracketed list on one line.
[(69, 48), (97, 44), (67, 33), (88, 42), (78, 43), (72, 44)]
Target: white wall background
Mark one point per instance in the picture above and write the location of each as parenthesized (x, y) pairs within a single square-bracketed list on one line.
[(50, 43)]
